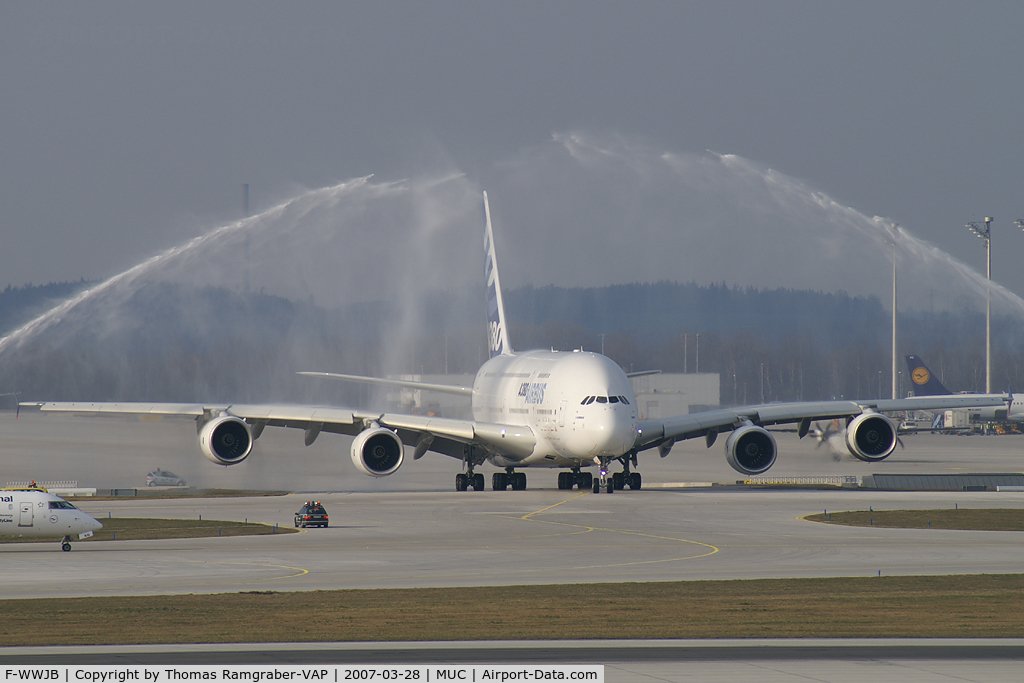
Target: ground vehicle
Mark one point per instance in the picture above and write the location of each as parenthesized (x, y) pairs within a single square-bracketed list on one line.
[(311, 514), (159, 477)]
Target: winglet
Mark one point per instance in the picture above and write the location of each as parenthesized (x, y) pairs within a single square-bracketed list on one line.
[(497, 333)]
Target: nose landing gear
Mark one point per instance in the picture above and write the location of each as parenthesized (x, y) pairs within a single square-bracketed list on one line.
[(618, 480)]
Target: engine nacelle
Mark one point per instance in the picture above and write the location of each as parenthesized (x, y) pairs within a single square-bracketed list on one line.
[(751, 449), (871, 437), (226, 440), (377, 452)]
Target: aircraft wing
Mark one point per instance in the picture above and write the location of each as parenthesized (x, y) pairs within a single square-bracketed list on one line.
[(442, 435), (652, 433)]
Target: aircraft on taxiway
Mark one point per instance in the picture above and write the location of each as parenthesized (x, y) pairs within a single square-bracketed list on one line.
[(539, 409), (34, 511)]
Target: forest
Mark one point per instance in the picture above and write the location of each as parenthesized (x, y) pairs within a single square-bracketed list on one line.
[(174, 342)]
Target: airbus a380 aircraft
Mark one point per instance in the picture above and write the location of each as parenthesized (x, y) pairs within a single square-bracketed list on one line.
[(34, 511), (568, 410)]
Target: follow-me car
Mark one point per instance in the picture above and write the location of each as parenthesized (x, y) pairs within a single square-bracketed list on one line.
[(568, 410), (159, 477), (312, 513)]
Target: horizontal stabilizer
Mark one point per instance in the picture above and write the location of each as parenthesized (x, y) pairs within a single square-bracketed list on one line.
[(407, 384), (642, 373)]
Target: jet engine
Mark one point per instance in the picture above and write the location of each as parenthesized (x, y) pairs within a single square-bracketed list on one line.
[(226, 440), (751, 449), (377, 452), (871, 437)]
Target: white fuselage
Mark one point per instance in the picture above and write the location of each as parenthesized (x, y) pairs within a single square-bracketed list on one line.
[(580, 405), (32, 512), (1013, 412)]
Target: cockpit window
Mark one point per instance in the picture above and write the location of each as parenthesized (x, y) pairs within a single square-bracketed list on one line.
[(604, 399), (61, 505)]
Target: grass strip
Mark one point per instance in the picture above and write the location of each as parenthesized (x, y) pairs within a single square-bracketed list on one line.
[(978, 519), (974, 606), (133, 529)]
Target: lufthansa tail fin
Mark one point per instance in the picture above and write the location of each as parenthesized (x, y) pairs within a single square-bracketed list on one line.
[(497, 333), (922, 380)]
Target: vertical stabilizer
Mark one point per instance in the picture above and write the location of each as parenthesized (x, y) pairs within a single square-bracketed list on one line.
[(497, 334), (923, 382)]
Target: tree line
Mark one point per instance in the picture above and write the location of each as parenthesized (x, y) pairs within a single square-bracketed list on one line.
[(174, 342)]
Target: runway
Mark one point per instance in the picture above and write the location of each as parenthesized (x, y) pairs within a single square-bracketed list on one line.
[(403, 539), (412, 529), (770, 661)]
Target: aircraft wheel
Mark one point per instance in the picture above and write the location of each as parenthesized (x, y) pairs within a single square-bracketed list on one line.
[(65, 547), (499, 481), (610, 487), (585, 480), (597, 486), (461, 482), (635, 481), (619, 478), (478, 482)]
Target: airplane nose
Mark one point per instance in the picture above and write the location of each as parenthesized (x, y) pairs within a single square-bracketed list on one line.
[(613, 433), (94, 524)]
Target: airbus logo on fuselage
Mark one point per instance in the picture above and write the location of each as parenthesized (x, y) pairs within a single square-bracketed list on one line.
[(533, 392)]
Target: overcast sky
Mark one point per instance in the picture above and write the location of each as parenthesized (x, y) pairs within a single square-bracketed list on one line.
[(128, 128)]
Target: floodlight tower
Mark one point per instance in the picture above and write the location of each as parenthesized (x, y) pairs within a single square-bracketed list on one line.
[(895, 388), (891, 240), (985, 233)]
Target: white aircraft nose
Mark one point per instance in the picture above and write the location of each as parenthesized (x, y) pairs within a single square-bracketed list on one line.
[(610, 431), (92, 524)]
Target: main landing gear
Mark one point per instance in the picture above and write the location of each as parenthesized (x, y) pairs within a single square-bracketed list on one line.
[(500, 481), (567, 480), (618, 480), (463, 480)]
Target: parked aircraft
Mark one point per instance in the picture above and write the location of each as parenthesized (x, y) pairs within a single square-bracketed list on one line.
[(925, 383), (34, 511), (566, 410)]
